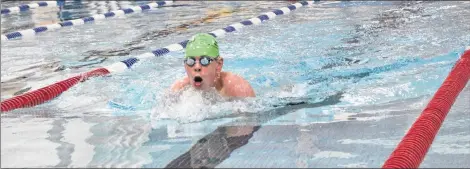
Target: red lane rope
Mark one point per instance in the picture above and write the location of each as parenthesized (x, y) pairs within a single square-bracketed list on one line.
[(47, 93), (413, 147)]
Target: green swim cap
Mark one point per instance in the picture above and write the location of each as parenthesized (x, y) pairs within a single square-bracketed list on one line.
[(202, 44)]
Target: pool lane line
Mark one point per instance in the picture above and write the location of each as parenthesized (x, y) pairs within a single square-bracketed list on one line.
[(414, 146), (47, 93), (26, 7), (32, 32)]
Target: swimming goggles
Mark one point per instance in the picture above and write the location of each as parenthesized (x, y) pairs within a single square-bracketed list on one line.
[(203, 60)]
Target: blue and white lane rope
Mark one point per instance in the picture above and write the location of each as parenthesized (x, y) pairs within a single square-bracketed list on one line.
[(81, 21), (125, 64), (26, 7)]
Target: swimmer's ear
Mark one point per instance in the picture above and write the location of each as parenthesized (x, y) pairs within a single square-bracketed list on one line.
[(220, 62)]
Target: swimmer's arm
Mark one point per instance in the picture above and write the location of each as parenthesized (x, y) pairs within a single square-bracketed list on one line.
[(180, 84), (236, 86)]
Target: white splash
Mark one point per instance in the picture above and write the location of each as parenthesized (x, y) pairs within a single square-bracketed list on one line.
[(192, 105)]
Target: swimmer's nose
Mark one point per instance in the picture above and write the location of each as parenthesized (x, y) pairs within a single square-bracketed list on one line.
[(197, 67)]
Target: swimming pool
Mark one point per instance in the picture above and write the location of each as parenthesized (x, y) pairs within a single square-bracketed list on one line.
[(356, 76)]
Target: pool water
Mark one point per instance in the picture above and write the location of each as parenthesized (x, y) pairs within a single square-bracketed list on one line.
[(337, 85)]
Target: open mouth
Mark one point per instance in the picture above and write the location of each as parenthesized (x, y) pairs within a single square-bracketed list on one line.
[(197, 81)]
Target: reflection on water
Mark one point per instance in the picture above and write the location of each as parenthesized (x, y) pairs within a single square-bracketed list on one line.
[(214, 148), (26, 142), (77, 136), (118, 142), (217, 146)]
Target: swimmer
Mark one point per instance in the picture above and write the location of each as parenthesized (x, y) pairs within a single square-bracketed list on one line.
[(203, 66)]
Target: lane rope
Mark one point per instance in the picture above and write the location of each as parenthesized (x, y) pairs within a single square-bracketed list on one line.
[(412, 149), (26, 7), (34, 31)]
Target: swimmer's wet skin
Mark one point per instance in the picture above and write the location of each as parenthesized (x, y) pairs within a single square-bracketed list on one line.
[(203, 65)]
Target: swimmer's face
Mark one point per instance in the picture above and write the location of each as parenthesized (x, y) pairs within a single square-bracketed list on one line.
[(203, 71)]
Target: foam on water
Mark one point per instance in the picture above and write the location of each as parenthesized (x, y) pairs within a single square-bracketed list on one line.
[(192, 105)]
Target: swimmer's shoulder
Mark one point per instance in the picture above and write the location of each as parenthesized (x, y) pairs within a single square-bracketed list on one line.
[(237, 86), (230, 78), (180, 84)]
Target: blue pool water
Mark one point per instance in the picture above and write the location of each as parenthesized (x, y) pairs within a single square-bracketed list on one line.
[(337, 85)]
